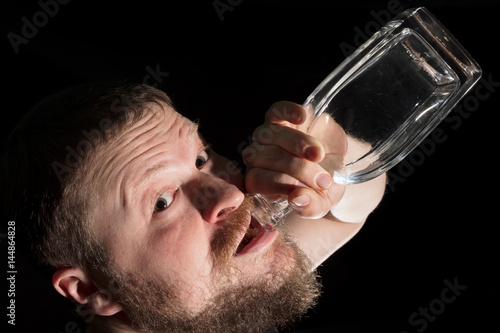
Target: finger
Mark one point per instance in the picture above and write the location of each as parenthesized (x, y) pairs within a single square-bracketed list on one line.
[(291, 140), (312, 204), (281, 113), (269, 182), (306, 202), (274, 158)]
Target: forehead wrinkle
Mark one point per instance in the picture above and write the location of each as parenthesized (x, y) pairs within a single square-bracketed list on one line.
[(116, 155), (132, 127), (146, 175), (154, 124), (125, 142), (137, 182), (192, 131), (131, 183), (129, 143)]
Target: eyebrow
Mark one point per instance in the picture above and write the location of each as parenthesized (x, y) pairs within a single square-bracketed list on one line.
[(193, 130), (149, 172), (143, 178)]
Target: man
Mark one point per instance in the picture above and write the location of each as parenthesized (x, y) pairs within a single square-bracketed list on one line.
[(148, 229)]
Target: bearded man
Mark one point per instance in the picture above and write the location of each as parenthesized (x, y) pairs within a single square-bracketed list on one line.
[(148, 229)]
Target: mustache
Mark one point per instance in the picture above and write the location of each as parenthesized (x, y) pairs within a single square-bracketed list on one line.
[(226, 239)]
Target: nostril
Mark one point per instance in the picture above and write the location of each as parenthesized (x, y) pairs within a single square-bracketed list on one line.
[(228, 210)]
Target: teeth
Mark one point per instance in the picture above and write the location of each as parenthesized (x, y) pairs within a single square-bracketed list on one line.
[(251, 232)]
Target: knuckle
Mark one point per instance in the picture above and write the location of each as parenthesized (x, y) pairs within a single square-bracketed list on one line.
[(274, 109), (301, 164), (273, 152), (284, 179), (264, 135), (249, 154)]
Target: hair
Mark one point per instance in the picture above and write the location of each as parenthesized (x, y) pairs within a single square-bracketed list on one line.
[(48, 154)]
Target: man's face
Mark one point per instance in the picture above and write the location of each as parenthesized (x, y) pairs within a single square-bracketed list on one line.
[(172, 210)]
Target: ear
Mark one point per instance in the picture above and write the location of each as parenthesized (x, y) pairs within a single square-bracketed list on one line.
[(76, 285)]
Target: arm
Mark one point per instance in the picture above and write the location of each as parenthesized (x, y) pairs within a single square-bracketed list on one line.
[(285, 161), (320, 238)]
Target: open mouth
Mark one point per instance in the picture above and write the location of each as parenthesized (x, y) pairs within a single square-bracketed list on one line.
[(255, 238)]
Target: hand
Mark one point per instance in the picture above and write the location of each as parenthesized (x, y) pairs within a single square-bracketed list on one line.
[(285, 161)]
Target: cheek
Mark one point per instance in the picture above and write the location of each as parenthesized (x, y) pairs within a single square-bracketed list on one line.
[(186, 262), (184, 255)]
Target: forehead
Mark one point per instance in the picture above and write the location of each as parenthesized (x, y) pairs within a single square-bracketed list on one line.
[(162, 137), (158, 120), (140, 143)]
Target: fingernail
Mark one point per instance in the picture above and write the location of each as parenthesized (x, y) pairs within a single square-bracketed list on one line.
[(312, 153), (324, 180), (301, 201)]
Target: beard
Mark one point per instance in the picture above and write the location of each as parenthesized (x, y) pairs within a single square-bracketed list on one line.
[(238, 303)]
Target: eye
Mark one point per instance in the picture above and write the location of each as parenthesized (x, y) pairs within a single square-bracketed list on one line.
[(163, 202), (201, 159)]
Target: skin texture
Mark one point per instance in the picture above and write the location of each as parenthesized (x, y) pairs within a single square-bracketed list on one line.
[(162, 162), (286, 161)]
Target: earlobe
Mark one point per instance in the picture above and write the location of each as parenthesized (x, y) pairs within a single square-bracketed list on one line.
[(76, 285)]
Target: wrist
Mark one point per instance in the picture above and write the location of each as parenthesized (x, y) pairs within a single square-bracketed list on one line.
[(360, 200)]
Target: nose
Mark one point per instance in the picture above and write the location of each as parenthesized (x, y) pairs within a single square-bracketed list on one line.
[(214, 198)]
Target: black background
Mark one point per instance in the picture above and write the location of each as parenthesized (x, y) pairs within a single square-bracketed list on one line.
[(438, 223)]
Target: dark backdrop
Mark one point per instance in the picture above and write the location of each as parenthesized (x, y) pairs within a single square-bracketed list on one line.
[(436, 226)]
